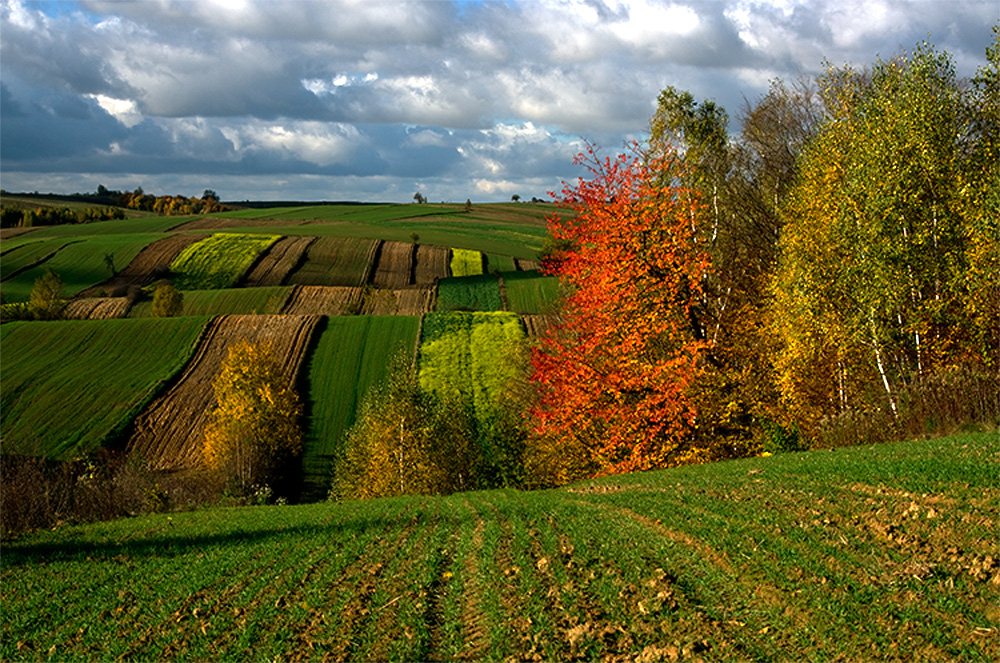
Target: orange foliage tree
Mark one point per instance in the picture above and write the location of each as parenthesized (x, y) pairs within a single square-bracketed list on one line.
[(613, 377)]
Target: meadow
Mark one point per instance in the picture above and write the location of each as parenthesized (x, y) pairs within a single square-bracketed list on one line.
[(867, 553), (75, 385)]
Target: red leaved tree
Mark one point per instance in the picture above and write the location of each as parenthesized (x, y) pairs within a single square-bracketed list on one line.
[(613, 377)]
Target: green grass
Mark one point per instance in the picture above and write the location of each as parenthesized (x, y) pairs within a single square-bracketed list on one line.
[(498, 263), (80, 264), (475, 293), (74, 384), (529, 292), (230, 301), (218, 261), (352, 355), (463, 354), (23, 256), (137, 226), (466, 263), (851, 555)]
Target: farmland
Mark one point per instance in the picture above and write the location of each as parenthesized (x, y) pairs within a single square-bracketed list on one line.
[(528, 292), (869, 553), (466, 263), (89, 373), (80, 264), (473, 293), (351, 356), (229, 301), (218, 261)]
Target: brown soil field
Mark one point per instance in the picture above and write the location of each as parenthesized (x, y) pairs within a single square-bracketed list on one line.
[(7, 233), (323, 300), (432, 264), (97, 308), (169, 433), (277, 262), (394, 265), (536, 325), (140, 271), (401, 301)]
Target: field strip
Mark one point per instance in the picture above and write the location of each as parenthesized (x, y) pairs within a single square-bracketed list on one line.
[(475, 631), (35, 260), (277, 262), (144, 266), (170, 432)]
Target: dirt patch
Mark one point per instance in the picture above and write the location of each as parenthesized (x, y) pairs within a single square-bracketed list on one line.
[(527, 265), (394, 266), (323, 300), (147, 265), (97, 308), (432, 263), (278, 262), (343, 261), (403, 301), (169, 433), (7, 233)]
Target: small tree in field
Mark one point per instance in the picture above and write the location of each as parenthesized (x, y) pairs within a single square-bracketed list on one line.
[(46, 301), (254, 430), (167, 301)]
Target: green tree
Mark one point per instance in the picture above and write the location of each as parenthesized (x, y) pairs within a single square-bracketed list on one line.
[(253, 434), (46, 301), (167, 301)]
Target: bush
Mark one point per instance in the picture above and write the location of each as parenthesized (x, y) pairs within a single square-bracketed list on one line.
[(46, 301), (167, 301)]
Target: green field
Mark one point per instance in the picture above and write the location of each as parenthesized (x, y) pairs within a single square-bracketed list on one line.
[(497, 263), (144, 225), (218, 261), (23, 256), (352, 355), (470, 293), (230, 301), (529, 292), (75, 383), (861, 554), (80, 264), (463, 354)]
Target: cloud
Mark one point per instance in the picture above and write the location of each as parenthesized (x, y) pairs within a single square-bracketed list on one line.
[(472, 96)]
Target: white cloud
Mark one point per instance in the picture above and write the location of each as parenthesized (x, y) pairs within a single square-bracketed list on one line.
[(124, 110)]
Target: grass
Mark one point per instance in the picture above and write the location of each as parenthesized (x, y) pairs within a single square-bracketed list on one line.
[(218, 261), (868, 553), (76, 384), (80, 264), (466, 263), (231, 301), (352, 355), (470, 293), (27, 255), (497, 263), (531, 293)]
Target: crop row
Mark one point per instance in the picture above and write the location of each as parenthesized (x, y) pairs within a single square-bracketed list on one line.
[(676, 564)]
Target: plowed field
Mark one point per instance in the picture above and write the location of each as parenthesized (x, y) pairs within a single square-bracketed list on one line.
[(536, 325), (97, 308), (404, 301), (323, 300), (169, 433), (278, 262), (395, 265), (140, 270), (875, 553), (336, 261), (432, 264)]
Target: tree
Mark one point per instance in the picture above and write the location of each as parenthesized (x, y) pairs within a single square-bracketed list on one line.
[(46, 301), (167, 301), (209, 194), (468, 205), (406, 441), (420, 198), (872, 282), (614, 376), (515, 198), (109, 262), (253, 434)]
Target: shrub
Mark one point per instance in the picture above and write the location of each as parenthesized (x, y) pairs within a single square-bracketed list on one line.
[(167, 301)]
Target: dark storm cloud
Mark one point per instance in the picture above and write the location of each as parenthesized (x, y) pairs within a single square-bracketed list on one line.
[(489, 97)]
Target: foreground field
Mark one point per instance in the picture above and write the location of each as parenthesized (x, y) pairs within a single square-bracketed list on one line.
[(869, 553)]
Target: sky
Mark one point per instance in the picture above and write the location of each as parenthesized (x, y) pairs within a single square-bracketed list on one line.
[(375, 101)]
